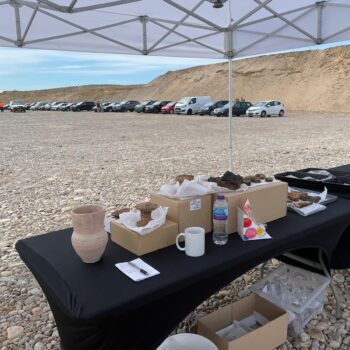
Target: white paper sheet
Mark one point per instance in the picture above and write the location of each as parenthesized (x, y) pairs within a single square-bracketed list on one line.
[(135, 273)]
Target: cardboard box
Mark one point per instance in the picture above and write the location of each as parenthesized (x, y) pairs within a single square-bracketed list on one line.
[(143, 244), (266, 337), (196, 211), (269, 202)]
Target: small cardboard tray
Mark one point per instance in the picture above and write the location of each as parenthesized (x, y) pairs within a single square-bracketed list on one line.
[(329, 199)]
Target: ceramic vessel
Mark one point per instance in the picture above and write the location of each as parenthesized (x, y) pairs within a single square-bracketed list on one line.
[(89, 239)]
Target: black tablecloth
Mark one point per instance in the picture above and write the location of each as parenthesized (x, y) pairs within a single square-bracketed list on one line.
[(345, 167), (97, 307), (341, 256)]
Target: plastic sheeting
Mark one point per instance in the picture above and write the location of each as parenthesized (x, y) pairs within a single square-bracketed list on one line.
[(184, 28)]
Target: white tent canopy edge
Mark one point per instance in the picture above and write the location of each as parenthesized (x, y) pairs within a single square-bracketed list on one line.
[(182, 28)]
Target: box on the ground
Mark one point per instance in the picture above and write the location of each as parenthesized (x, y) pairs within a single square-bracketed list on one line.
[(266, 337), (192, 212), (142, 244), (269, 202)]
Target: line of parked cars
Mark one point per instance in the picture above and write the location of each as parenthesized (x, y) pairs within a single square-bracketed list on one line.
[(201, 105)]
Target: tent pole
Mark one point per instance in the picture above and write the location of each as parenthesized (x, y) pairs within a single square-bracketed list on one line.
[(230, 114)]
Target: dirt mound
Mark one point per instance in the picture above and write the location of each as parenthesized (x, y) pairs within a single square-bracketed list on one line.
[(308, 81)]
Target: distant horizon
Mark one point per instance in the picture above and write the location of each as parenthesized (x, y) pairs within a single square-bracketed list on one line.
[(47, 69)]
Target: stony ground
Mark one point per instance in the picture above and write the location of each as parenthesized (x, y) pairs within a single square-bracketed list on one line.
[(52, 162)]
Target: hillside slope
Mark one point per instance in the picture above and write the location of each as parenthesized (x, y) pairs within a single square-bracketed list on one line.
[(308, 81)]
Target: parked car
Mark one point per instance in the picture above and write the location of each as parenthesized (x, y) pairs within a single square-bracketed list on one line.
[(142, 106), (125, 106), (64, 107), (83, 106), (17, 106), (191, 105), (209, 107), (100, 106), (169, 108), (266, 108), (37, 106), (156, 107), (57, 106), (28, 105), (7, 107), (51, 106), (238, 108), (109, 107), (2, 107)]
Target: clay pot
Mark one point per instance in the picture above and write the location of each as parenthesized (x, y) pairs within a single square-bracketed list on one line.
[(89, 239)]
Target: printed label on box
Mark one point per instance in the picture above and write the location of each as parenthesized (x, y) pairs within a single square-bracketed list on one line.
[(196, 204)]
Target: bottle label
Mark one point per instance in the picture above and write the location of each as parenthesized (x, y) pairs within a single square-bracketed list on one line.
[(220, 213)]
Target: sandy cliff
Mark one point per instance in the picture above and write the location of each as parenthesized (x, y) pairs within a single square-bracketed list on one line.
[(309, 81)]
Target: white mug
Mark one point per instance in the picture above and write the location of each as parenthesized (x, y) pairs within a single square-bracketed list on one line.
[(194, 241)]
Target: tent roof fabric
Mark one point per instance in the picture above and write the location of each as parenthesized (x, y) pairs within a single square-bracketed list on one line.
[(183, 28)]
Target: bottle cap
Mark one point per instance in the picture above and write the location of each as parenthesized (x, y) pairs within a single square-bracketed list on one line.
[(220, 197)]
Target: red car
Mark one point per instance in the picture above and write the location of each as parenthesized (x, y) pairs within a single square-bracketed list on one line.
[(2, 106), (169, 108)]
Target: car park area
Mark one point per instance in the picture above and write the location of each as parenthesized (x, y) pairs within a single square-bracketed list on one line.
[(192, 105)]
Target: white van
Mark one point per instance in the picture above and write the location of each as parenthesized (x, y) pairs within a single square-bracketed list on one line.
[(191, 105)]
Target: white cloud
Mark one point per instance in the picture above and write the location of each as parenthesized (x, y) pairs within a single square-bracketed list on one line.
[(14, 61)]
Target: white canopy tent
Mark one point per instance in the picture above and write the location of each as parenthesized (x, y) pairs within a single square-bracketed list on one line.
[(183, 28)]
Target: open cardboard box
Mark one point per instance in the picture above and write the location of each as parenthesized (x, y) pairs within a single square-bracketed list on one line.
[(266, 337), (192, 212), (269, 202), (142, 244)]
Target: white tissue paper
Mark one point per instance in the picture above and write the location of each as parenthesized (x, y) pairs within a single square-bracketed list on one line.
[(130, 220), (198, 187)]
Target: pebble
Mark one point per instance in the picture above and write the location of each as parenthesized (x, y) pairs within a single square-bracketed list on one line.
[(41, 182), (339, 278), (304, 337), (346, 340), (316, 334), (14, 332), (39, 346), (334, 344)]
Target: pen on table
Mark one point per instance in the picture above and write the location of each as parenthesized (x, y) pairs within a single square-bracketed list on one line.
[(137, 267)]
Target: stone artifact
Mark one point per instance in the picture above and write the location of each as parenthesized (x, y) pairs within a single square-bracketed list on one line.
[(294, 196), (116, 213), (247, 180), (146, 209), (89, 239), (182, 178), (269, 179), (306, 197), (228, 180), (256, 179)]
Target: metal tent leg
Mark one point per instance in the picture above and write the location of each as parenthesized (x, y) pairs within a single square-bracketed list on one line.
[(262, 269), (334, 289), (230, 114)]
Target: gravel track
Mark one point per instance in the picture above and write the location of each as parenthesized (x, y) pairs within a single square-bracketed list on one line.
[(51, 162)]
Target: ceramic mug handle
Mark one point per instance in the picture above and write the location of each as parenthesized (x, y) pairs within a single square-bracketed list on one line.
[(177, 242)]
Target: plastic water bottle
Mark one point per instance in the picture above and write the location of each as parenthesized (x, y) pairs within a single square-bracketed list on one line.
[(220, 215)]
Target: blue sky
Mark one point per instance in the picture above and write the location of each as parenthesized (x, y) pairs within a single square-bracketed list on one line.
[(25, 69)]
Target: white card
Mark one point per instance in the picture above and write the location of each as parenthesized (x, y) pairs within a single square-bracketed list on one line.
[(134, 272)]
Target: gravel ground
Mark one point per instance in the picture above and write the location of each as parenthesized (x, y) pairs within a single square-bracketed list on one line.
[(51, 162)]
